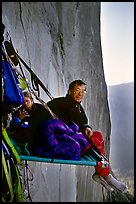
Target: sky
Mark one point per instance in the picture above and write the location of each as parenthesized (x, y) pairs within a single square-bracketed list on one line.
[(117, 38)]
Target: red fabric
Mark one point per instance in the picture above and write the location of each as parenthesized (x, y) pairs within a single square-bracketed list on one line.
[(103, 171), (98, 141)]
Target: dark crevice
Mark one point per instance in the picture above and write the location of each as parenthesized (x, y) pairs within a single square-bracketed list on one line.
[(61, 45), (24, 31), (77, 5)]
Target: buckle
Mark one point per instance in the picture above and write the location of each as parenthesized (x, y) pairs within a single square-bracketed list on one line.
[(105, 163)]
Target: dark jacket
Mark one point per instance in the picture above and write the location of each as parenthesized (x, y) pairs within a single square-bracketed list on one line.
[(68, 110), (35, 116)]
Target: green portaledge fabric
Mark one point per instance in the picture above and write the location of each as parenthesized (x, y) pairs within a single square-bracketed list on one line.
[(86, 160)]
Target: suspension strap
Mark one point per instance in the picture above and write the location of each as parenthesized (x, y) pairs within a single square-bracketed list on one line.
[(36, 78), (45, 105), (37, 97), (14, 56)]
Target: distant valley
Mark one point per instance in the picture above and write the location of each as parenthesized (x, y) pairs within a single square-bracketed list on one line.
[(121, 104)]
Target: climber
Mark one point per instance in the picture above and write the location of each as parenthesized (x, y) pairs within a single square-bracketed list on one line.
[(26, 119), (50, 137), (69, 110)]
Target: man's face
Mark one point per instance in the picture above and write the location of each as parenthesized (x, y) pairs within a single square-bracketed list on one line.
[(78, 92)]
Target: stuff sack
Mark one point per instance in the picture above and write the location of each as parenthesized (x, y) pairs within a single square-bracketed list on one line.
[(96, 141), (13, 94)]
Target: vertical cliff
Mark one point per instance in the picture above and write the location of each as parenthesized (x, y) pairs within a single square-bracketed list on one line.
[(61, 42)]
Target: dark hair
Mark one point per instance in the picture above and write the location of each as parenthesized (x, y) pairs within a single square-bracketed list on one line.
[(73, 83), (27, 94)]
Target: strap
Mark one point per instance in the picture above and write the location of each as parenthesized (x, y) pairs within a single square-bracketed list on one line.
[(11, 178), (37, 97), (97, 150), (7, 179), (11, 173), (35, 80), (45, 105), (19, 192), (35, 77), (13, 150)]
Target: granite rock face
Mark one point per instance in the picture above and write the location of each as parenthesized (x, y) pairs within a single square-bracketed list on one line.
[(61, 42)]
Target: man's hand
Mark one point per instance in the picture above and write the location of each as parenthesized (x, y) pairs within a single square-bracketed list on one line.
[(22, 114), (88, 132)]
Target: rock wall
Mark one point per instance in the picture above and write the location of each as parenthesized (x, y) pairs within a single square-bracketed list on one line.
[(61, 42)]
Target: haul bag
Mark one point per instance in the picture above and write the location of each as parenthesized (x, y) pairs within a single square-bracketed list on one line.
[(13, 94)]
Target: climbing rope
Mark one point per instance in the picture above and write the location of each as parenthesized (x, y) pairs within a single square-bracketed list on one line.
[(27, 176)]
